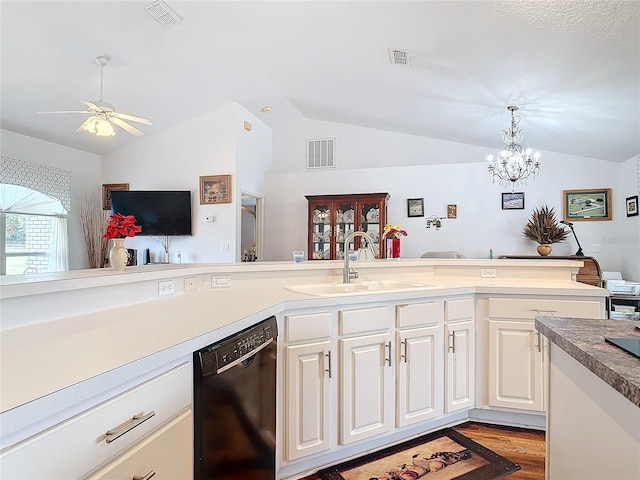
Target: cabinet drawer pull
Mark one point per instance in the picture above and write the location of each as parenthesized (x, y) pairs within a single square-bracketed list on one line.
[(404, 350), (135, 421), (539, 311), (452, 342), (388, 359), (149, 475), (328, 355)]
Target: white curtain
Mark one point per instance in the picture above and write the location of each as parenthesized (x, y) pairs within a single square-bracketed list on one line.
[(23, 200)]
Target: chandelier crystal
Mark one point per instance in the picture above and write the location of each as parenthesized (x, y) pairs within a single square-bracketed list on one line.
[(513, 165)]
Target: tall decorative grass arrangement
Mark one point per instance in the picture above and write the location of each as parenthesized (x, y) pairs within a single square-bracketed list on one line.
[(543, 227), (94, 221)]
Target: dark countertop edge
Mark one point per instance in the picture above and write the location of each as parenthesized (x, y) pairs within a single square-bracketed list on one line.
[(618, 382)]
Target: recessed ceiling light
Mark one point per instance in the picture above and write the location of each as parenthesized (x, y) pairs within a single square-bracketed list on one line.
[(266, 109)]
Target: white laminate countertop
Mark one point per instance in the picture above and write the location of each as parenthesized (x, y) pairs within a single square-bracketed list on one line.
[(48, 355)]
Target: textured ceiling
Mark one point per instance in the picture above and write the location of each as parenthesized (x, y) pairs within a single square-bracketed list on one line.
[(573, 67)]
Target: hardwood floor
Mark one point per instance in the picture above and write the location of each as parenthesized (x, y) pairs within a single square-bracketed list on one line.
[(524, 447), (527, 448)]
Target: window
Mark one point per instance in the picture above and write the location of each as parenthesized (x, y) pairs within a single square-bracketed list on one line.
[(33, 232)]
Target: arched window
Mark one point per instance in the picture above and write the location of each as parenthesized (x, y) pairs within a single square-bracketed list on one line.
[(33, 231)]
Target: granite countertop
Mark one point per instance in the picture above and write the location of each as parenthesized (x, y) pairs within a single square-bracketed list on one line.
[(583, 339)]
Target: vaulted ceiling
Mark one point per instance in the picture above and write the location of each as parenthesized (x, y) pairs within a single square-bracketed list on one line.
[(573, 67)]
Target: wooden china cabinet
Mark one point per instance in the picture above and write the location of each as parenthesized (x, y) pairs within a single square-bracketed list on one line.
[(333, 217)]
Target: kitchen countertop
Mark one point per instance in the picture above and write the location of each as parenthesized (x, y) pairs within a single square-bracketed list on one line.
[(583, 339)]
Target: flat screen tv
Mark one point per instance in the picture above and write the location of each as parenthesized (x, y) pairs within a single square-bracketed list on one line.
[(158, 212)]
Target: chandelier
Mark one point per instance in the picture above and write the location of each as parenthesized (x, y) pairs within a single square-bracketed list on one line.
[(514, 165)]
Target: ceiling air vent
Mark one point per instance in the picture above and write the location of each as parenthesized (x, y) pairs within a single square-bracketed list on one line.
[(163, 14), (399, 56), (321, 153)]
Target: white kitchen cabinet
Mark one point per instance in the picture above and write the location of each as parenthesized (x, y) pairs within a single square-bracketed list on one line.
[(419, 375), (307, 397), (517, 355), (75, 447), (515, 364), (419, 362), (165, 454), (459, 332), (307, 388), (366, 388)]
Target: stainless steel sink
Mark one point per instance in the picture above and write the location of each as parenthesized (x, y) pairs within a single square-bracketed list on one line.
[(359, 288)]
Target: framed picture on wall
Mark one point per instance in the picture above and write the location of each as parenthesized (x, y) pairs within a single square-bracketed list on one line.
[(107, 188), (592, 204), (513, 201), (215, 189), (632, 206), (415, 207), (452, 211)]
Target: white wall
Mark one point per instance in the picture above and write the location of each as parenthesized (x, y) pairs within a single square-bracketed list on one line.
[(481, 222), (85, 180), (628, 240), (174, 159)]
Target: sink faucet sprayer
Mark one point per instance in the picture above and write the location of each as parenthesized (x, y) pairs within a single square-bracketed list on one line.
[(349, 274)]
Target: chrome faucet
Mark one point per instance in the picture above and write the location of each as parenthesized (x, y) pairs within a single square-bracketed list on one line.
[(349, 274)]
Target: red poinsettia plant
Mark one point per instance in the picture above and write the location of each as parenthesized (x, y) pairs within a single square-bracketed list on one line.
[(121, 226)]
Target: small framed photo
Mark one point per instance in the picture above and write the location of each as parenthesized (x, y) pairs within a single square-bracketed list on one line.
[(452, 211), (215, 189), (513, 201), (585, 205), (415, 207), (632, 206), (107, 188)]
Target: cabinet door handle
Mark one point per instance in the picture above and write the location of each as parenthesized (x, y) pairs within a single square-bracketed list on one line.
[(328, 355), (149, 475), (135, 421), (539, 345), (404, 350), (388, 359), (452, 342)]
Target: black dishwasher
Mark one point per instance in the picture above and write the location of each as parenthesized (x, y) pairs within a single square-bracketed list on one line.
[(235, 405)]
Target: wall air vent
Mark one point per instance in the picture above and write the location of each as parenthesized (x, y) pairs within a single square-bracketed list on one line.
[(163, 14), (399, 56), (321, 153)]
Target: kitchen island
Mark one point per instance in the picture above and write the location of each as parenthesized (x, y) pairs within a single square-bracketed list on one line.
[(108, 340), (593, 416)]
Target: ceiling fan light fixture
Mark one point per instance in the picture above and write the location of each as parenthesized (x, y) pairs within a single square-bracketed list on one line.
[(101, 127)]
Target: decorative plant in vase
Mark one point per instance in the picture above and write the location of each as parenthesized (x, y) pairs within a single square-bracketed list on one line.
[(543, 228), (120, 227), (391, 234)]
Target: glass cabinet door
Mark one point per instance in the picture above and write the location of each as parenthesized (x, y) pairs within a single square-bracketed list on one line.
[(321, 232), (370, 222), (345, 225)]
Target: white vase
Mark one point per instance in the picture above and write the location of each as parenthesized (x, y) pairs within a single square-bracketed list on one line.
[(118, 255)]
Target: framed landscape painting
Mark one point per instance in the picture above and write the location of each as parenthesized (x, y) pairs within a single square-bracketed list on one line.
[(513, 201), (584, 205)]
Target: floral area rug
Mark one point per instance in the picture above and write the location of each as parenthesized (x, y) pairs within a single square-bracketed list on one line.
[(442, 455)]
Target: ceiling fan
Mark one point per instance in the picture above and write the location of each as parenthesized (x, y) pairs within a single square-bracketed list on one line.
[(103, 114)]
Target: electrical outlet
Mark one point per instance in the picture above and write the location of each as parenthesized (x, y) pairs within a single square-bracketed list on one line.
[(487, 272), (191, 283), (595, 248), (167, 287), (225, 247), (218, 281)]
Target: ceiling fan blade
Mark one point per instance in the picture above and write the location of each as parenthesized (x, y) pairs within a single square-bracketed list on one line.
[(91, 105), (68, 111), (125, 126), (133, 118)]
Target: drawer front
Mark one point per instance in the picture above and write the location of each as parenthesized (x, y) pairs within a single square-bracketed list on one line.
[(530, 308), (417, 314), (167, 453), (75, 447), (458, 309), (364, 320), (307, 327)]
